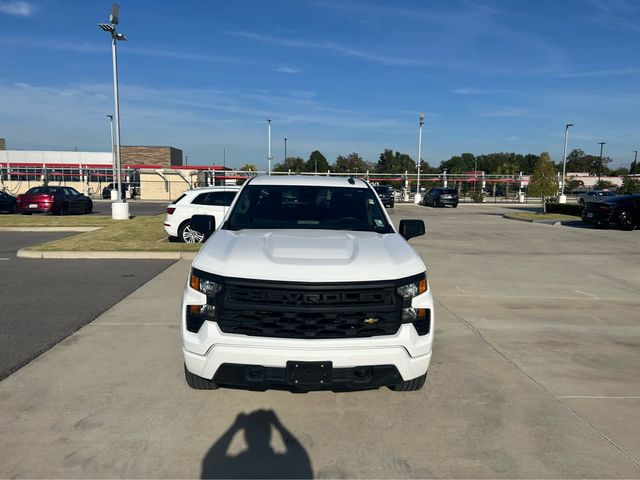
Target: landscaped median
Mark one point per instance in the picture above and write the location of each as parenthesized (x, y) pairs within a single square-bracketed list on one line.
[(139, 237), (548, 218)]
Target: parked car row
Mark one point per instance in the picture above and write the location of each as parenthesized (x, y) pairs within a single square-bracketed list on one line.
[(45, 199)]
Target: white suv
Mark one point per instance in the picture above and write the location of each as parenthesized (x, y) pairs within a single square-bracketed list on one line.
[(213, 201), (307, 285)]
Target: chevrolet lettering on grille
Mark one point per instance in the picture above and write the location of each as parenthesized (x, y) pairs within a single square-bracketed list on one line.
[(301, 298)]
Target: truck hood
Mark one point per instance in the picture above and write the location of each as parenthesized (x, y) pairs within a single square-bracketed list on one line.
[(308, 255)]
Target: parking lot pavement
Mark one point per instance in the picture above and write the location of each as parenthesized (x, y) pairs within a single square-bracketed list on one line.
[(136, 207), (44, 301), (533, 376)]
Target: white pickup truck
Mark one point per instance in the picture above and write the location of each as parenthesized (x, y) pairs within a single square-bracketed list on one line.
[(307, 285)]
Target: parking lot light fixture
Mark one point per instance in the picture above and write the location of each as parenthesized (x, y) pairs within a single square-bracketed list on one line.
[(269, 156), (113, 160), (119, 208), (602, 144), (563, 198), (417, 197)]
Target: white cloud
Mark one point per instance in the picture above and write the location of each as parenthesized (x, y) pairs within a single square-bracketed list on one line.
[(285, 69), (342, 50), (467, 91), (19, 8)]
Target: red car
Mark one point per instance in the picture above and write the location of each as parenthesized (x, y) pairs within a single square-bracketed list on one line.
[(55, 200)]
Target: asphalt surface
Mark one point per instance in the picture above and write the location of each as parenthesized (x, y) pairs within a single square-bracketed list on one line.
[(535, 374), (136, 207), (44, 301)]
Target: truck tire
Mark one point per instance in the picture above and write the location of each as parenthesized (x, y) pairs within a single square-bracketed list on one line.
[(198, 383), (410, 385)]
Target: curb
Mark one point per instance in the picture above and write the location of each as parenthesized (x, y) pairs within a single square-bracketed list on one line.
[(555, 223), (49, 229), (25, 253)]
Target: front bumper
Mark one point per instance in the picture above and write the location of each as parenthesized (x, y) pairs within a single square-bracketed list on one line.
[(209, 352)]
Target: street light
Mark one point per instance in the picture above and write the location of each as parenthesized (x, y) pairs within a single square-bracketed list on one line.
[(563, 198), (417, 197), (119, 208), (602, 144), (285, 150), (269, 157), (114, 192)]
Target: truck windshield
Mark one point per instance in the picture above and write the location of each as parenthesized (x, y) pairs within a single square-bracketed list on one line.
[(307, 207)]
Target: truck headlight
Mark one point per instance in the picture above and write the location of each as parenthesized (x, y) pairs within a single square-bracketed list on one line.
[(208, 287), (410, 290)]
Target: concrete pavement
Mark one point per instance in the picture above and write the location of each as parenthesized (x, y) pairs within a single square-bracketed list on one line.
[(535, 374)]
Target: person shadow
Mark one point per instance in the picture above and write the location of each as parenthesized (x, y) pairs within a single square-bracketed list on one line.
[(259, 460)]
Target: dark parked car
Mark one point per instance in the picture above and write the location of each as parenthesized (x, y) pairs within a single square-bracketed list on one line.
[(440, 197), (56, 200), (386, 195), (7, 203), (622, 211), (106, 191)]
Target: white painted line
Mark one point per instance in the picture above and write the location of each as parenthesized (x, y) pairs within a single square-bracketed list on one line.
[(134, 324), (587, 294), (533, 297), (596, 397), (4, 259)]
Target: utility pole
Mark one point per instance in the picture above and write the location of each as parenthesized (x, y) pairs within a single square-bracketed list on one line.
[(114, 191), (417, 197), (563, 198), (269, 157), (119, 208), (602, 144)]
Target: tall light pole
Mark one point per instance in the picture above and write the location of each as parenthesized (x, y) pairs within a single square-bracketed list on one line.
[(602, 144), (417, 197), (563, 198), (269, 157), (119, 208), (285, 149), (114, 193)]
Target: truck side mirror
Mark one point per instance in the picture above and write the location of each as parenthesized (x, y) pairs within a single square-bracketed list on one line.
[(412, 228), (205, 224)]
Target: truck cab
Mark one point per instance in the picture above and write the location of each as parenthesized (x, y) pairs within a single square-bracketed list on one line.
[(307, 285)]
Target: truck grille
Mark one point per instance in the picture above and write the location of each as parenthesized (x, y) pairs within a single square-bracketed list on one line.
[(309, 311)]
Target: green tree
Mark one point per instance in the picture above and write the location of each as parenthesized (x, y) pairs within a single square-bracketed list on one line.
[(317, 162), (353, 163), (544, 180), (394, 162), (630, 185), (459, 163), (578, 161), (634, 168), (248, 167), (293, 164)]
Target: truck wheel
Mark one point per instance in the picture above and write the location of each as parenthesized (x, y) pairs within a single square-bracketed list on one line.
[(410, 385), (198, 383)]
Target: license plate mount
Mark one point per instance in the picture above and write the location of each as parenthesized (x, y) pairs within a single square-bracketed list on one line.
[(33, 205), (309, 373)]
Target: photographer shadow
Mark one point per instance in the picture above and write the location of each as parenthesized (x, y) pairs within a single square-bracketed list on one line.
[(259, 460)]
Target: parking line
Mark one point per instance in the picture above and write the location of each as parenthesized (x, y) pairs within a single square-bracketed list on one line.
[(596, 397), (136, 324), (4, 259), (532, 297)]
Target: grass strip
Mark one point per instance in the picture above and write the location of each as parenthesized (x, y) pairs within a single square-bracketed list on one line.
[(40, 220), (140, 234), (543, 216)]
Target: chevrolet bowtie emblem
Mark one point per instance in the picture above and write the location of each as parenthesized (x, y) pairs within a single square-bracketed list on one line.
[(371, 320)]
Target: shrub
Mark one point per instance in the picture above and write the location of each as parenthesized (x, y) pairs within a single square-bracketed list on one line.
[(477, 196), (565, 208)]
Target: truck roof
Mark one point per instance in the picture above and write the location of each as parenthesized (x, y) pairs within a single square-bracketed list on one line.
[(309, 180)]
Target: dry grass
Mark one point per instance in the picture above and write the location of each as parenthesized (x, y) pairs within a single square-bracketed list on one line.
[(543, 216), (144, 233)]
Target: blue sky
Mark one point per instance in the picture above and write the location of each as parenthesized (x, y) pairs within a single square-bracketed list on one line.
[(335, 76)]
